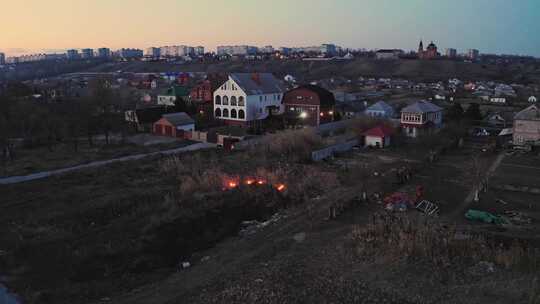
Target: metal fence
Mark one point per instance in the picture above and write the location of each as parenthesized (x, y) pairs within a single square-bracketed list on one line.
[(327, 152)]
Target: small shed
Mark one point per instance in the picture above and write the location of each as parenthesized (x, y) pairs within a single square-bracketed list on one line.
[(379, 136), (174, 125)]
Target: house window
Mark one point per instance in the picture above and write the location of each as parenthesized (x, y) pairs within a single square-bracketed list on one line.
[(218, 100), (218, 112), (241, 114), (225, 100), (233, 101), (241, 101), (225, 113), (260, 98), (233, 113)]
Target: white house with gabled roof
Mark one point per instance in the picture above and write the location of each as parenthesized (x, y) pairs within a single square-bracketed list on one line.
[(421, 117), (248, 97)]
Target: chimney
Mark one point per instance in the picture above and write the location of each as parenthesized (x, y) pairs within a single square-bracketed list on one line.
[(256, 77)]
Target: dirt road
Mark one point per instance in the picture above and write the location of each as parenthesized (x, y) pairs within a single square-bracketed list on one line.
[(45, 174)]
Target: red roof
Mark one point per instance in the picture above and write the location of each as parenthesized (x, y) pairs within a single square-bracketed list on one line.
[(380, 131)]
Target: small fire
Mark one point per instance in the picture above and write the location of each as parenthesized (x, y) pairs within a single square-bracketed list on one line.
[(250, 182), (233, 185), (260, 182), (280, 187)]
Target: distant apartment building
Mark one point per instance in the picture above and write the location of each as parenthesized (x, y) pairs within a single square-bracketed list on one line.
[(72, 54), (473, 54), (329, 49), (199, 50), (130, 53), (267, 49), (12, 60), (285, 50), (104, 53), (33, 58), (451, 53), (87, 53), (153, 52), (388, 54), (180, 50), (2, 59), (237, 50)]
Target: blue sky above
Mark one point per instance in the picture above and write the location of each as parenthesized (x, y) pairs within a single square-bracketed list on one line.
[(492, 26)]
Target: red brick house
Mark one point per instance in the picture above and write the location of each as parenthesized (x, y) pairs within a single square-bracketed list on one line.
[(309, 105), (174, 125), (202, 94)]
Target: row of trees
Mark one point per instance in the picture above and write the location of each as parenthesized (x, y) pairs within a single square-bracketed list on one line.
[(37, 124)]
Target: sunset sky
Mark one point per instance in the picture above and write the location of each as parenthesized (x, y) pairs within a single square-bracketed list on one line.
[(492, 26)]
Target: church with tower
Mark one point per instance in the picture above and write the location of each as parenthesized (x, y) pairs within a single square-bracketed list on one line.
[(429, 53)]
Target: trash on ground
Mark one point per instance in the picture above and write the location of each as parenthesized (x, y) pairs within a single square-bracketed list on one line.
[(486, 217), (428, 207)]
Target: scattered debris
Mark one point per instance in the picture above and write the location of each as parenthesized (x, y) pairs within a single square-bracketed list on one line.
[(482, 268), (398, 201), (300, 237), (185, 265), (259, 281), (518, 218), (205, 259), (428, 208), (251, 227), (501, 201)]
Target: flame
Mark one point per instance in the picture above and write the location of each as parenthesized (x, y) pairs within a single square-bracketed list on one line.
[(281, 187), (233, 185), (250, 182), (261, 182)]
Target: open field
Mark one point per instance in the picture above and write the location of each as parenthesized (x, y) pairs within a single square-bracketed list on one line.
[(32, 160), (114, 234)]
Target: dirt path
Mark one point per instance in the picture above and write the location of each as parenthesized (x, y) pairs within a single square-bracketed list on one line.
[(45, 174)]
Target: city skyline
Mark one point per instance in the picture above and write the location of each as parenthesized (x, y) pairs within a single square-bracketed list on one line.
[(60, 24)]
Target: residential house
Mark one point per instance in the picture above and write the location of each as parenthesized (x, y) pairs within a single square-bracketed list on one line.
[(172, 94), (248, 97), (380, 109), (378, 137), (527, 126), (500, 120), (144, 118), (174, 125), (420, 118), (309, 105), (202, 93)]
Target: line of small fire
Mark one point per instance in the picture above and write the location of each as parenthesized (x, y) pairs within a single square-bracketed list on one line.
[(236, 183)]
